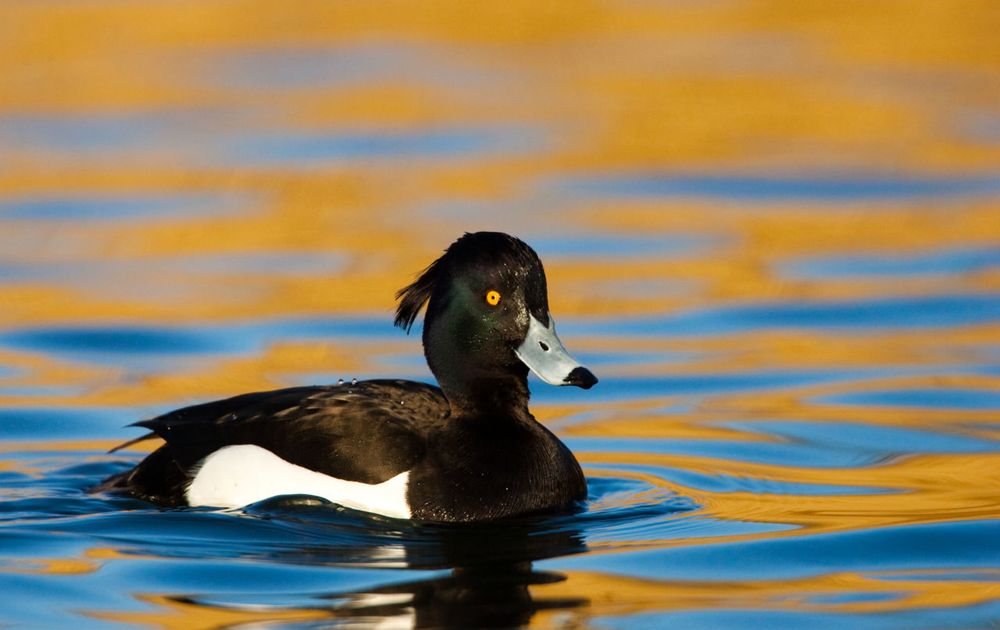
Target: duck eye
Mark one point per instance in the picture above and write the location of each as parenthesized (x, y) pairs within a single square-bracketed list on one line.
[(492, 298)]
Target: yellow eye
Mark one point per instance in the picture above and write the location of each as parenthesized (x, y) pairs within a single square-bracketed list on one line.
[(492, 298)]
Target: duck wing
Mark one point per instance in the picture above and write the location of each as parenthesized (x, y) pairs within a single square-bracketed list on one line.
[(367, 432)]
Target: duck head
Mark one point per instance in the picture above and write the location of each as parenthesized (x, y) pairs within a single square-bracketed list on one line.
[(488, 319)]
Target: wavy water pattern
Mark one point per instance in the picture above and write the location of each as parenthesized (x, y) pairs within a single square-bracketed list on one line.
[(771, 228)]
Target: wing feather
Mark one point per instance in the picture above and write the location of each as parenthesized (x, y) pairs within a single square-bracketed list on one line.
[(367, 432)]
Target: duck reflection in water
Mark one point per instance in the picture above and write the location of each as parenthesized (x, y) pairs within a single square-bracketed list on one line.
[(491, 567), (490, 596)]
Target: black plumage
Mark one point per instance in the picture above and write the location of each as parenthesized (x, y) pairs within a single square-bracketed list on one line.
[(473, 450)]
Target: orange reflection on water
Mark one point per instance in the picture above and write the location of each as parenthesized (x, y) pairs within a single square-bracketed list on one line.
[(180, 100), (617, 595), (177, 612), (909, 490)]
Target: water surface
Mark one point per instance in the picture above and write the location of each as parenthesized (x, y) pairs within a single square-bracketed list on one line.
[(771, 229)]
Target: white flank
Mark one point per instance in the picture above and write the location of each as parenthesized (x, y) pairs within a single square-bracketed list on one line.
[(242, 474)]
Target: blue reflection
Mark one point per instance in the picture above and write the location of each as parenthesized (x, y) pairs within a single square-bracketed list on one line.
[(118, 341), (878, 439), (959, 545), (751, 615), (933, 311), (719, 482), (930, 398), (152, 348), (97, 135), (147, 276), (293, 150), (948, 262), (618, 388), (781, 188), (29, 423), (621, 246), (318, 68), (805, 455), (115, 208)]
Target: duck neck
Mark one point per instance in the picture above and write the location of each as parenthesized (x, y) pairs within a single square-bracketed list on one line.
[(474, 390), (488, 397)]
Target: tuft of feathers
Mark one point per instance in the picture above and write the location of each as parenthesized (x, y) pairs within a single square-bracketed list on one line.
[(413, 296)]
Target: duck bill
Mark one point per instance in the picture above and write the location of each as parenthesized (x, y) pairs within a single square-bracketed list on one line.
[(545, 355)]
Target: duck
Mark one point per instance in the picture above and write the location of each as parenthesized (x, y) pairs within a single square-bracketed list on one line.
[(467, 450)]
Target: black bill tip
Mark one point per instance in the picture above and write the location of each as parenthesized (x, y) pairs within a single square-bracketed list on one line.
[(581, 377)]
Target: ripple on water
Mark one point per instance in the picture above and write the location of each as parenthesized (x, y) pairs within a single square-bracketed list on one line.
[(619, 247), (876, 315), (797, 428), (308, 531), (322, 67), (116, 340), (120, 135), (880, 441), (96, 274), (855, 267), (924, 398), (804, 454), (948, 545), (290, 150), (24, 423), (777, 188), (622, 389), (753, 615), (721, 482), (78, 207), (152, 347)]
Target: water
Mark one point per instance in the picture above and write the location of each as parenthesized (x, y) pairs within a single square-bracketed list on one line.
[(770, 229)]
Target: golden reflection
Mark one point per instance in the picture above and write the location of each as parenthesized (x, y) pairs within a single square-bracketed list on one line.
[(52, 566), (742, 270), (67, 446), (907, 490), (616, 595), (273, 367), (179, 613), (116, 101)]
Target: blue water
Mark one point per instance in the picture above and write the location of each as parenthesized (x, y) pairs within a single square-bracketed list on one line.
[(652, 513), (755, 189), (296, 554), (79, 208), (773, 237), (290, 151)]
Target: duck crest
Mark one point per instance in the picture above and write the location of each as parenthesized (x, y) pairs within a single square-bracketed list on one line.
[(413, 296)]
